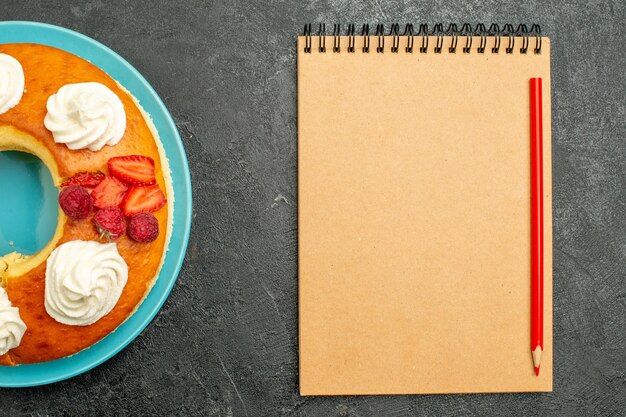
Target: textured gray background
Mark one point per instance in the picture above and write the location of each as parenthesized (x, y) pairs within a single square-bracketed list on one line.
[(225, 343)]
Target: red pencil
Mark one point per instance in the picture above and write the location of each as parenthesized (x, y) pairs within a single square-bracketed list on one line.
[(536, 202)]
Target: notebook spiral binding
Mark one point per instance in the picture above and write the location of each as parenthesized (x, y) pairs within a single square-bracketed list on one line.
[(508, 31)]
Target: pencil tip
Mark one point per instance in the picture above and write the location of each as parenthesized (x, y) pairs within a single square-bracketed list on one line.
[(537, 370)]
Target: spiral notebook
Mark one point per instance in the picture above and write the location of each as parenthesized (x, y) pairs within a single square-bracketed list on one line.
[(414, 210)]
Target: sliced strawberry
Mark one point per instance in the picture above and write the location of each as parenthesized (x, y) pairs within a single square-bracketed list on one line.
[(143, 200), (133, 169), (84, 179), (110, 192)]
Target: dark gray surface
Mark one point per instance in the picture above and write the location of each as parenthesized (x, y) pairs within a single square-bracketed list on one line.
[(225, 342)]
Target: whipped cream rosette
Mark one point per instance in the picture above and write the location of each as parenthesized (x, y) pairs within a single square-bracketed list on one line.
[(84, 281), (11, 82), (12, 328), (85, 116)]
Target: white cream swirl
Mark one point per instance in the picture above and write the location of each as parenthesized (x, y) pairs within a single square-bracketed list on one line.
[(84, 281), (85, 116), (11, 82), (12, 328)]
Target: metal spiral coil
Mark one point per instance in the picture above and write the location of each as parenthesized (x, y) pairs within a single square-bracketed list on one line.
[(438, 31), (454, 33), (307, 38), (466, 31), (366, 38), (322, 35), (336, 38), (482, 32), (423, 32), (395, 37), (380, 34), (510, 32), (351, 38), (408, 32), (494, 30)]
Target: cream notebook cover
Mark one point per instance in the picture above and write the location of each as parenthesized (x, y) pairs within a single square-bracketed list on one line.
[(414, 217)]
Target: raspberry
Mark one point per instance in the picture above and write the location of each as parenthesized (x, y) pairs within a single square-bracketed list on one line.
[(143, 227), (75, 202), (110, 222)]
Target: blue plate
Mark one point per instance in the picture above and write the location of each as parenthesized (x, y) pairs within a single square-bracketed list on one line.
[(29, 209), (29, 169)]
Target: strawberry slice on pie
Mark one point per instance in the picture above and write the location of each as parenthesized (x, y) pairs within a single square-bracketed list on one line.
[(133, 169), (110, 192), (143, 200)]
